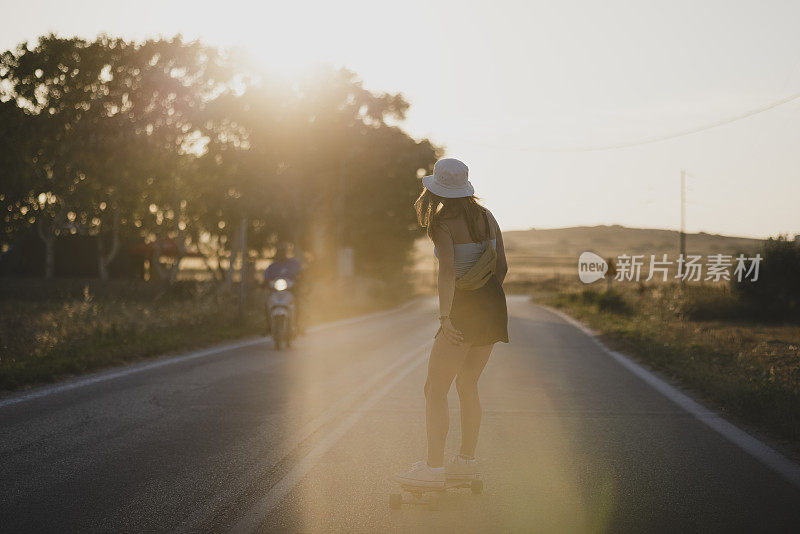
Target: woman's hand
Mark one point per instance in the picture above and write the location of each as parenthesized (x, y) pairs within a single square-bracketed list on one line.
[(455, 336)]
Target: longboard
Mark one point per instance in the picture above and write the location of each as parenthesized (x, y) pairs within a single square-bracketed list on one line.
[(428, 496)]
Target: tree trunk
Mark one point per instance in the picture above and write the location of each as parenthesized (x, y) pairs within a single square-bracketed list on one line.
[(102, 272), (103, 259), (49, 256), (232, 262), (155, 261), (210, 268), (176, 268), (48, 236), (155, 264)]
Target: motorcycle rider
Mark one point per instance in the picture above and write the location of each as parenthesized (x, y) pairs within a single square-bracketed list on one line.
[(285, 267)]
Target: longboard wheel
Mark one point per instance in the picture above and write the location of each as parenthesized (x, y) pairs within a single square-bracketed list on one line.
[(477, 486)]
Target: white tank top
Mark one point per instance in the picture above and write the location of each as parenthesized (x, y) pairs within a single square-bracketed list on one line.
[(465, 255)]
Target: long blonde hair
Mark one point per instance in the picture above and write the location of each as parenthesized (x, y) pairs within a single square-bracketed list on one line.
[(432, 209)]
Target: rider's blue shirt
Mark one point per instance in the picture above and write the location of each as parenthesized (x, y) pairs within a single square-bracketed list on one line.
[(288, 268)]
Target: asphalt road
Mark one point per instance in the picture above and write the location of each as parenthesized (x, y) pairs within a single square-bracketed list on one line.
[(306, 440)]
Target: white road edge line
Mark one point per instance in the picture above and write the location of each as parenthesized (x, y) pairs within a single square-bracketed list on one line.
[(103, 376), (754, 447), (253, 518)]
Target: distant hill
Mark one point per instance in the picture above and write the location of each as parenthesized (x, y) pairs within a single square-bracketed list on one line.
[(615, 240), (536, 253)]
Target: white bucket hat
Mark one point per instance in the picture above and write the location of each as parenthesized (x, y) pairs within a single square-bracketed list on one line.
[(449, 179)]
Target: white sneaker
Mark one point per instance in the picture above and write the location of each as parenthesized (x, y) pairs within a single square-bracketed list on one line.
[(422, 475), (461, 468)]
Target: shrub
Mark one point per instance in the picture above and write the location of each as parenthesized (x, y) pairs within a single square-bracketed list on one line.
[(776, 293), (613, 302), (711, 304), (589, 296), (608, 301)]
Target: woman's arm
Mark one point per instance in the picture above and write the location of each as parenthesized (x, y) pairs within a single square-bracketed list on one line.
[(502, 264), (447, 280)]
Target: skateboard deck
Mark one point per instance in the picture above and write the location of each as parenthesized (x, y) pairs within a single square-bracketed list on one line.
[(428, 496)]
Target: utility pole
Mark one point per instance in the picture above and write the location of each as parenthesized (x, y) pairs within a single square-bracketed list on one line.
[(683, 221), (243, 268)]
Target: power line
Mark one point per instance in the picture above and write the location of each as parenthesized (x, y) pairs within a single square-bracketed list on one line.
[(647, 140)]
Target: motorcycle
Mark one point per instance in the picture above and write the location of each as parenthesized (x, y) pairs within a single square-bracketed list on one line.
[(281, 310)]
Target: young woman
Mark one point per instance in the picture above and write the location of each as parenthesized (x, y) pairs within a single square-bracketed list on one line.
[(472, 320)]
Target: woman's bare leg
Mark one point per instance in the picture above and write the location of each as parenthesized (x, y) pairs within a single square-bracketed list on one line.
[(445, 361), (467, 386)]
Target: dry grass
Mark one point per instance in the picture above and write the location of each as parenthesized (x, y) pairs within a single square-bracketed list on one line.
[(42, 340), (748, 370)]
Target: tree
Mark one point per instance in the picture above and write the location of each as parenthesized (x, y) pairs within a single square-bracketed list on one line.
[(319, 155), (174, 142), (775, 295), (17, 198), (116, 118)]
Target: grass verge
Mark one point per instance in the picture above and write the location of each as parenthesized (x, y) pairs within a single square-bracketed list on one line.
[(45, 340), (747, 370)]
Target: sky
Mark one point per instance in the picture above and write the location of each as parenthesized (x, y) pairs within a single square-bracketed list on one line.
[(490, 81)]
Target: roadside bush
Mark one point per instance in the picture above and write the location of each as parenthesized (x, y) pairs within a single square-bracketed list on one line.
[(589, 296), (712, 304), (613, 302), (776, 294), (607, 301), (44, 341)]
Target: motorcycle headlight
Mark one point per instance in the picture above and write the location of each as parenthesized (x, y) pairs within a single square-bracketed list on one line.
[(280, 284)]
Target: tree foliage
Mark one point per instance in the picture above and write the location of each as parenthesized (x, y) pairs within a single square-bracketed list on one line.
[(776, 293), (172, 140)]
